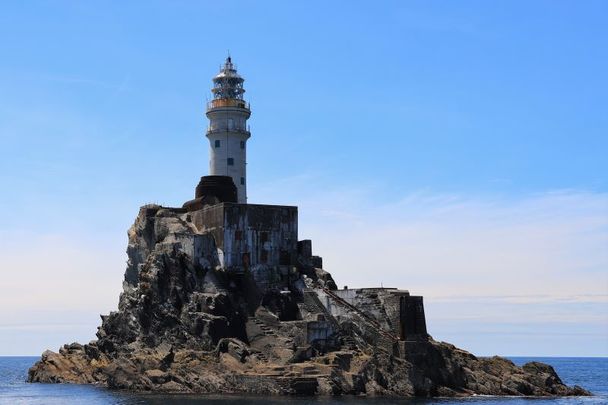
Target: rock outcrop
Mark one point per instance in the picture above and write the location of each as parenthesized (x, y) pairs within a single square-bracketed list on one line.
[(184, 324)]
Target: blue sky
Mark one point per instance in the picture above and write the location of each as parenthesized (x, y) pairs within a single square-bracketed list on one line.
[(459, 147)]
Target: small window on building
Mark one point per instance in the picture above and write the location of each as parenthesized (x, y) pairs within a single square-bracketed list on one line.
[(242, 144), (245, 260), (284, 258), (242, 181), (230, 123), (238, 235), (264, 256), (217, 143), (230, 161), (263, 237)]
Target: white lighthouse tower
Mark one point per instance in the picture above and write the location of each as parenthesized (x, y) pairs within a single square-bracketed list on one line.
[(228, 131)]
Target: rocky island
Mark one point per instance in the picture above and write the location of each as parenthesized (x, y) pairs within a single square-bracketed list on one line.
[(220, 296)]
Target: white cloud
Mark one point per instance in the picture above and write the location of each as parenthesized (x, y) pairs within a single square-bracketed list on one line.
[(552, 245), (59, 272), (54, 287)]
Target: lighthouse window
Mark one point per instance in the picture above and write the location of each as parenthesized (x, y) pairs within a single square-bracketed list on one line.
[(242, 144), (242, 181), (217, 143), (284, 257), (230, 161), (230, 123)]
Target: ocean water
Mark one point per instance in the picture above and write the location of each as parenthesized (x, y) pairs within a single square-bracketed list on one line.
[(590, 373)]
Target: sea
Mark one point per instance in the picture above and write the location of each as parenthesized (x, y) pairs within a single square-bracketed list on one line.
[(589, 373)]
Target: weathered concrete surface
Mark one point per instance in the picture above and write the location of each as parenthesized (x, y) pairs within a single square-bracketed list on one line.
[(185, 323)]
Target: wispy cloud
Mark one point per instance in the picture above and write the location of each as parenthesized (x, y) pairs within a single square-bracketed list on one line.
[(59, 272), (524, 299), (551, 245), (110, 85)]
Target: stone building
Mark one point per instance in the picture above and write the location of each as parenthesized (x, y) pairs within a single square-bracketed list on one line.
[(262, 240)]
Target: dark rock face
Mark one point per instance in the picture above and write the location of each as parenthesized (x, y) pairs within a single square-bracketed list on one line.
[(186, 325)]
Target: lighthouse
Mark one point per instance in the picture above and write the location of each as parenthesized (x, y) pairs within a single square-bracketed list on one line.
[(228, 131)]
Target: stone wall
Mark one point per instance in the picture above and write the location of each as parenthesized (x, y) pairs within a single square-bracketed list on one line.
[(252, 237), (413, 321)]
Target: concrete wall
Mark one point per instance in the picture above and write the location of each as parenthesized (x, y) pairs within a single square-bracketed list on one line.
[(394, 310), (210, 220), (413, 321), (318, 331), (252, 237), (228, 125), (201, 248)]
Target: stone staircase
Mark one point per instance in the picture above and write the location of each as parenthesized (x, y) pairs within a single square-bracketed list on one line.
[(261, 356), (373, 323), (376, 307), (350, 343), (266, 330)]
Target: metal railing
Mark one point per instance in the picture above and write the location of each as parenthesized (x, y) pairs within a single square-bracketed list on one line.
[(226, 129), (227, 102), (375, 324)]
